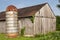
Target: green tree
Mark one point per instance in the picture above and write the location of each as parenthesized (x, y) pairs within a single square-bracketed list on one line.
[(58, 23), (58, 5)]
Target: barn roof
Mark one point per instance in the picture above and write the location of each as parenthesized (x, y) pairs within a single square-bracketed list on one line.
[(24, 12)]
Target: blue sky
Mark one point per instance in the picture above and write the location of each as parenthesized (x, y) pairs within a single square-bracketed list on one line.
[(26, 3)]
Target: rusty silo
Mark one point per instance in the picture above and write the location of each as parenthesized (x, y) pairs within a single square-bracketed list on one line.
[(11, 21)]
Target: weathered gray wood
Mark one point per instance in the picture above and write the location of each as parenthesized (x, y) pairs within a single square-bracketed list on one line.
[(46, 17), (29, 28), (2, 27)]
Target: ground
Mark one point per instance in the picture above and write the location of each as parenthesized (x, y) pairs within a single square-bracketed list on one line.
[(49, 36)]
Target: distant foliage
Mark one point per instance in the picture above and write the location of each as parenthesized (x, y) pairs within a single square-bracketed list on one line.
[(58, 23), (58, 6)]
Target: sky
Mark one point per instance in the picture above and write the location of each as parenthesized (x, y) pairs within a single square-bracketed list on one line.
[(27, 3)]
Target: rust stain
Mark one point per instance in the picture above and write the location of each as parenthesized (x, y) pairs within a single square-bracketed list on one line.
[(11, 8)]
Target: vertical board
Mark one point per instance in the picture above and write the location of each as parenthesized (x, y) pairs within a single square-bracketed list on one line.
[(44, 25), (49, 25), (37, 25), (54, 24), (2, 27)]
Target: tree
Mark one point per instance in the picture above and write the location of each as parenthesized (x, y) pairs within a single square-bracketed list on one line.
[(58, 5), (58, 23)]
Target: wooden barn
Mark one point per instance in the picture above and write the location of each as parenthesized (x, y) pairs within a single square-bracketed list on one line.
[(35, 19)]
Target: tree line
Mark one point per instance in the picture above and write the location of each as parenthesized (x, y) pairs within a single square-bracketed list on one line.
[(58, 23)]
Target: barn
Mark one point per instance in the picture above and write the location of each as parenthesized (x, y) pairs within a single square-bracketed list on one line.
[(35, 19)]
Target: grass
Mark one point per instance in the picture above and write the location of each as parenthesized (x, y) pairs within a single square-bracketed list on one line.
[(49, 36)]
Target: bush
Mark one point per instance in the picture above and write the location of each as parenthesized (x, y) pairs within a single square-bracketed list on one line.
[(22, 31), (39, 35), (32, 19), (49, 36)]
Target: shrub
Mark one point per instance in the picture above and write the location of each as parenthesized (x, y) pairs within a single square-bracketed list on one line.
[(22, 31), (32, 19)]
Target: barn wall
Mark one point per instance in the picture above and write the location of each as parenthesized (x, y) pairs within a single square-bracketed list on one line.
[(27, 23), (2, 27), (37, 23), (45, 20), (50, 18)]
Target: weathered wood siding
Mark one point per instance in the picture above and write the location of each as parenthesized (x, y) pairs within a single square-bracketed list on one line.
[(2, 27), (45, 20), (37, 24), (27, 23)]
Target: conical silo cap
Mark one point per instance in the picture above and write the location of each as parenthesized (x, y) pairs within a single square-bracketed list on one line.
[(11, 8)]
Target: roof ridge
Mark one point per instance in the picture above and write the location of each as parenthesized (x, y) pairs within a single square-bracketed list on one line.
[(34, 5)]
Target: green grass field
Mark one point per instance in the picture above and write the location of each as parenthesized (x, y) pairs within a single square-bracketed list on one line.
[(49, 36)]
